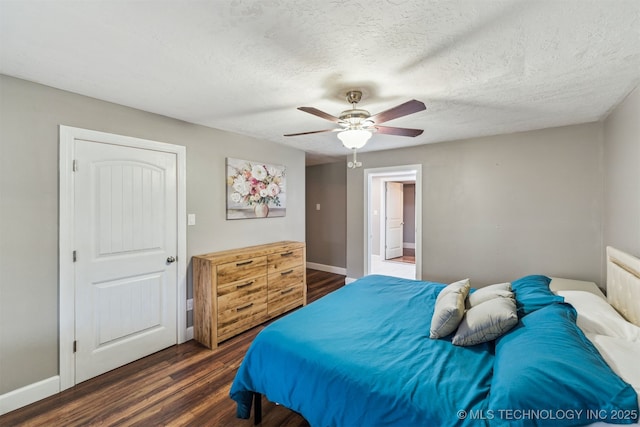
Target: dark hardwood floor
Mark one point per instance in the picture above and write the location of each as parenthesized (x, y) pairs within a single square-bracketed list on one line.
[(184, 385)]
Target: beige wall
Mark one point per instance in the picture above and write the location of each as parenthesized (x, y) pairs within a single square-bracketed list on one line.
[(326, 228), (622, 176), (497, 208), (29, 119), (409, 213), (376, 215)]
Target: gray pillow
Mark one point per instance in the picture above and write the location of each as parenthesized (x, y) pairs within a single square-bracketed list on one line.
[(449, 309), (500, 290), (486, 321)]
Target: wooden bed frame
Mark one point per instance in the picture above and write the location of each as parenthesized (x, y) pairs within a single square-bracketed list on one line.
[(623, 284)]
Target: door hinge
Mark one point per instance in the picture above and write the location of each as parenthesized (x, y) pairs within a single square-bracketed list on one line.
[(75, 346), (74, 256), (75, 165)]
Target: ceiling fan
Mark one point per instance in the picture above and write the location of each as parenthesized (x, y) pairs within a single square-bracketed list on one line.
[(357, 125)]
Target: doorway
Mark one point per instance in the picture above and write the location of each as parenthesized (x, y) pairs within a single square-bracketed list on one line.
[(393, 219)]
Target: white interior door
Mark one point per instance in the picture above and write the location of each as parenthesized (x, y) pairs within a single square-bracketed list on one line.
[(393, 220), (126, 243)]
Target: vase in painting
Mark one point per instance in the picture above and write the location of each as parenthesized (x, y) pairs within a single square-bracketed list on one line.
[(261, 210)]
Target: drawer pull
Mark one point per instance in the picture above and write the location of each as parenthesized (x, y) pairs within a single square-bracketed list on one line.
[(244, 307), (238, 264), (286, 291), (284, 273), (287, 253), (244, 285)]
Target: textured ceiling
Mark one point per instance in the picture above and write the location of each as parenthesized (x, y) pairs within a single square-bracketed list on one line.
[(482, 67)]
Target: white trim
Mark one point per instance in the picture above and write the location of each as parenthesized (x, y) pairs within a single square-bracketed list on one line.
[(188, 334), (68, 135), (402, 171), (66, 316), (349, 280), (28, 394), (327, 268), (407, 245)]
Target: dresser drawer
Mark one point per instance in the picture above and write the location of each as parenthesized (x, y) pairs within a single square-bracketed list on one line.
[(285, 260), (241, 269), (238, 319), (286, 278), (282, 300), (239, 293)]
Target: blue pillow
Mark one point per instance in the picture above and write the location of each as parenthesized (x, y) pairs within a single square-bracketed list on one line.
[(547, 373), (532, 293)]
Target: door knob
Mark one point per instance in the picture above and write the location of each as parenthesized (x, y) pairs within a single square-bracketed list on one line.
[(170, 260)]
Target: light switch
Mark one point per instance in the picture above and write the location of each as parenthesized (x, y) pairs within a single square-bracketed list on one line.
[(317, 206), (191, 219)]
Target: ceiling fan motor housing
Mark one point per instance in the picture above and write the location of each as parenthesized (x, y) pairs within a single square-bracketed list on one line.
[(354, 117)]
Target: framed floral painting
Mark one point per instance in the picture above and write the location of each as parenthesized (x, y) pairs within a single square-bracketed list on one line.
[(255, 189)]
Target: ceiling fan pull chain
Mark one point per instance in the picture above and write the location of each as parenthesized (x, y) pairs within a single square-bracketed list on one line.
[(355, 163)]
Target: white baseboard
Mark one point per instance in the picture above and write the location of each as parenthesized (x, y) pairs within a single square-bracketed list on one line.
[(327, 268), (407, 245), (349, 280), (28, 394)]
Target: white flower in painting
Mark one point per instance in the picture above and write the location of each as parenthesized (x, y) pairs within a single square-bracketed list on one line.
[(259, 172), (241, 186), (273, 171), (236, 198), (264, 192), (273, 189)]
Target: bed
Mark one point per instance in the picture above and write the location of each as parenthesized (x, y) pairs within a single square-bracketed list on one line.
[(363, 356)]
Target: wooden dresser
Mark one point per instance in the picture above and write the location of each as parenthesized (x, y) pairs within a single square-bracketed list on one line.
[(238, 289)]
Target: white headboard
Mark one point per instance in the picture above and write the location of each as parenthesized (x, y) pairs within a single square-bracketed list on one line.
[(623, 284)]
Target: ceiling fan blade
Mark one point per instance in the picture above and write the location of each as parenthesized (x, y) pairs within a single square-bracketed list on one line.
[(398, 131), (313, 131), (405, 109), (319, 113)]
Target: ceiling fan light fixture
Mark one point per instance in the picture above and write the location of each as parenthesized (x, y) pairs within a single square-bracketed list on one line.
[(354, 138)]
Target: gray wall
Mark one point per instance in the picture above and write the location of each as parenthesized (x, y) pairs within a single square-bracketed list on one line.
[(409, 213), (497, 208), (29, 119), (622, 176), (376, 215), (326, 229)]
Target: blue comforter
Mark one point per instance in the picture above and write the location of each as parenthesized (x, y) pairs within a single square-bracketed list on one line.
[(362, 356)]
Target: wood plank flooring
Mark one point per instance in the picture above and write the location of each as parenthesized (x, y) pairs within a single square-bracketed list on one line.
[(408, 256), (184, 385)]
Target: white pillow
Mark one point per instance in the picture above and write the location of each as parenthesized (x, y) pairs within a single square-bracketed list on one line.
[(622, 356), (596, 316), (489, 292), (486, 321), (449, 309)]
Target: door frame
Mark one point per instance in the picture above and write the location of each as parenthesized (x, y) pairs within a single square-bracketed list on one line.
[(392, 173), (66, 314)]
